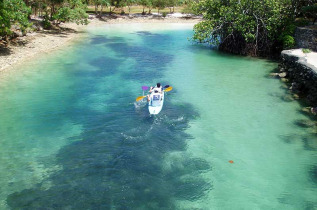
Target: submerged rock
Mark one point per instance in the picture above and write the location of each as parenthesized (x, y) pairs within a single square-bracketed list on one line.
[(306, 110), (288, 98), (282, 75), (284, 86), (306, 123), (273, 74)]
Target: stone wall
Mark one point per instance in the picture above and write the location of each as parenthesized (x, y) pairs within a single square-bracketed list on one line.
[(301, 74), (306, 38)]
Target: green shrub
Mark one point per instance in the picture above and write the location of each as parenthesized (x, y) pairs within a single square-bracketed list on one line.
[(46, 24), (288, 42), (164, 14), (306, 50)]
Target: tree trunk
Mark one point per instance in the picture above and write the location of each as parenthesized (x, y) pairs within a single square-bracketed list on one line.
[(101, 8), (6, 38)]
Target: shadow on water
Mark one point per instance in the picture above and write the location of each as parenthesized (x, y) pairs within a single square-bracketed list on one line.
[(100, 39), (121, 162), (149, 63)]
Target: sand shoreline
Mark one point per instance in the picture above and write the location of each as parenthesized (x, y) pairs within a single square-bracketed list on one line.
[(41, 42)]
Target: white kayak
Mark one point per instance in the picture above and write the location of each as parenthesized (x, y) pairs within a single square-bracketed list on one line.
[(156, 102)]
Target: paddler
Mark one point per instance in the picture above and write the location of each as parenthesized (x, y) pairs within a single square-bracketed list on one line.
[(156, 89)]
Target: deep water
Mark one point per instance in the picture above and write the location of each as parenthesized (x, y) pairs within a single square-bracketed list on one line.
[(73, 137)]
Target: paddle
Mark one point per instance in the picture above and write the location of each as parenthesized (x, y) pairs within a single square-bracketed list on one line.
[(140, 98), (167, 88), (145, 87)]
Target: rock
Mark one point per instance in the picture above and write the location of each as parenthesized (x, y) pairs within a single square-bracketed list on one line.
[(282, 70), (282, 75), (294, 87), (306, 109), (295, 96), (309, 140), (34, 27), (305, 123), (313, 110), (284, 80), (39, 28), (284, 86), (287, 98), (273, 74), (18, 34)]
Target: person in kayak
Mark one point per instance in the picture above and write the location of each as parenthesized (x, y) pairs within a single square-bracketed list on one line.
[(156, 89)]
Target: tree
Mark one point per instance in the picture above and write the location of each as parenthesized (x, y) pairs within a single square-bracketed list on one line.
[(171, 4), (129, 3), (310, 12), (102, 4), (146, 3), (244, 26), (159, 4), (12, 12), (71, 11)]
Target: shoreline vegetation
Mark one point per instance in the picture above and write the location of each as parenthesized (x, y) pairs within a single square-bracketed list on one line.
[(241, 27), (44, 41)]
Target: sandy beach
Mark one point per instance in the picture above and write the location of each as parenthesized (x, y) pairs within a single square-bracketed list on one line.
[(45, 41)]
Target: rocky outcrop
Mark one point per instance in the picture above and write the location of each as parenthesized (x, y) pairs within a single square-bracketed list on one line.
[(306, 38), (302, 73)]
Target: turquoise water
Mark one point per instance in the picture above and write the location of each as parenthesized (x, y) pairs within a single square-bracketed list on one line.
[(73, 137)]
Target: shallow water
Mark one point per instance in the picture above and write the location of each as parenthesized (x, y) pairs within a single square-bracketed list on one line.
[(72, 136)]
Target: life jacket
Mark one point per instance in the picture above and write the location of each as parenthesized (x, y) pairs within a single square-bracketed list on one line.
[(156, 99)]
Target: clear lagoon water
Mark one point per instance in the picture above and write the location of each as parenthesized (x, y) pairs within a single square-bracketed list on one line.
[(73, 137)]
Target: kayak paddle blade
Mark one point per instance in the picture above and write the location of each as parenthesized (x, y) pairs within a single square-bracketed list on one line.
[(140, 98), (168, 89), (145, 87)]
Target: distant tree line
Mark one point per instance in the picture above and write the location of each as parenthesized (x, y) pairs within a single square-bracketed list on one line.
[(252, 27), (146, 4), (17, 13)]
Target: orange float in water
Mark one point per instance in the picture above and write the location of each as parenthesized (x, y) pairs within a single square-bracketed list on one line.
[(230, 161)]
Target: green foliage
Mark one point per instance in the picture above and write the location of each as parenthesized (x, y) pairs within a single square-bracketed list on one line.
[(46, 23), (310, 12), (288, 41), (72, 11), (259, 23), (306, 50), (145, 3), (286, 37), (159, 4), (164, 14), (188, 9), (13, 12)]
